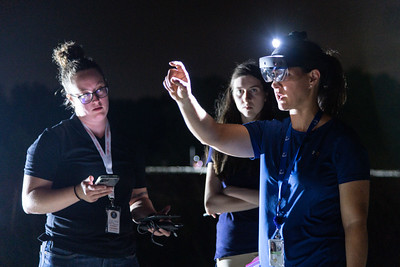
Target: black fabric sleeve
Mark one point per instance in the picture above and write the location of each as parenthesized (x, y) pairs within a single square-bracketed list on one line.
[(43, 156)]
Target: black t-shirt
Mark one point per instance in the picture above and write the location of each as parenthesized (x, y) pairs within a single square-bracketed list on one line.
[(66, 155)]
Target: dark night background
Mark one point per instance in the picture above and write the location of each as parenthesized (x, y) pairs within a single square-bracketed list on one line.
[(133, 42)]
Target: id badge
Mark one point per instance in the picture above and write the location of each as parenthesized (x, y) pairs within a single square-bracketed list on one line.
[(276, 252), (113, 220)]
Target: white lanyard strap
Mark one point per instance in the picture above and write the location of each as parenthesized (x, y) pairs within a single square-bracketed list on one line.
[(106, 157)]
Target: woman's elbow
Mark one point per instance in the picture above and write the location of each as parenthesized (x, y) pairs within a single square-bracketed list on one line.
[(209, 206), (209, 210), (27, 208), (28, 205)]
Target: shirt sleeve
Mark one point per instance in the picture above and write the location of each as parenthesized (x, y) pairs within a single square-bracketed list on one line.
[(351, 160), (255, 130), (43, 156), (209, 157)]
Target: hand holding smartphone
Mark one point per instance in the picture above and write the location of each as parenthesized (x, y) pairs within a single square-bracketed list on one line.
[(108, 180)]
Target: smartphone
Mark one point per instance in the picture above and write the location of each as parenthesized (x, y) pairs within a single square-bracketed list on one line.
[(108, 180)]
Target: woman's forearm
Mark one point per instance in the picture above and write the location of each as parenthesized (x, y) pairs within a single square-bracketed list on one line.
[(46, 200), (245, 194), (201, 124), (220, 203), (354, 201), (356, 245), (231, 139)]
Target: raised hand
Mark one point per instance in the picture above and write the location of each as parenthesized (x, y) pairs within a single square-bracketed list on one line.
[(177, 81)]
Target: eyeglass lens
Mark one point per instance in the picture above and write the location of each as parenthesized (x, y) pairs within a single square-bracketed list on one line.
[(276, 75), (88, 97)]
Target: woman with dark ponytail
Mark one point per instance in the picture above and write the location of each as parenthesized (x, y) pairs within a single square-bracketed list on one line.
[(231, 189), (314, 173), (88, 224)]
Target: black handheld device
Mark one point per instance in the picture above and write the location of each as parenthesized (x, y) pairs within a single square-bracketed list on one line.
[(159, 221), (108, 180)]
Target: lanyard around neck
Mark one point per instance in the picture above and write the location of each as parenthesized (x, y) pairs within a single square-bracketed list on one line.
[(105, 156), (284, 173)]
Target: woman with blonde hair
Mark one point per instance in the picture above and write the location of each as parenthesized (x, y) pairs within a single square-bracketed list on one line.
[(88, 224)]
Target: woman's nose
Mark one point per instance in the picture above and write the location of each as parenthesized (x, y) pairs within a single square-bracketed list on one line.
[(246, 95), (95, 97), (275, 85)]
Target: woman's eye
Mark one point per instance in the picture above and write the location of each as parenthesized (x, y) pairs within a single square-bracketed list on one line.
[(239, 91)]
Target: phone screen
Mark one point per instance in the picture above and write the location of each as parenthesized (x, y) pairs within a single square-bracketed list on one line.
[(108, 180)]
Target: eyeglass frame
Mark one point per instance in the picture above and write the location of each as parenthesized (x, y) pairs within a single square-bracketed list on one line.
[(91, 95)]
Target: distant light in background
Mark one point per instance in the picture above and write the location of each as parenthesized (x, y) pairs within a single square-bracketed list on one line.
[(276, 43), (175, 169), (192, 153), (197, 162)]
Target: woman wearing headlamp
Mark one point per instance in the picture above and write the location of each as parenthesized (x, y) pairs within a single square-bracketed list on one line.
[(314, 179)]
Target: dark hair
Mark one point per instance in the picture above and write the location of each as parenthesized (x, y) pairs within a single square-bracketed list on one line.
[(227, 112), (300, 52), (70, 59)]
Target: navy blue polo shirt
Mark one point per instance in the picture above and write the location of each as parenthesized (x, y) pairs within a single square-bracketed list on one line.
[(331, 155)]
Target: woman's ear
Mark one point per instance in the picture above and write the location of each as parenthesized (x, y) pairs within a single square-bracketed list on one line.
[(314, 77), (69, 97)]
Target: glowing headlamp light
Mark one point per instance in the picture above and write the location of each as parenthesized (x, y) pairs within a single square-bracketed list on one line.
[(273, 68), (276, 43)]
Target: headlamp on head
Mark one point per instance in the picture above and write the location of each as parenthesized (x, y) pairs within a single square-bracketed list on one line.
[(294, 51), (273, 68), (276, 42)]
